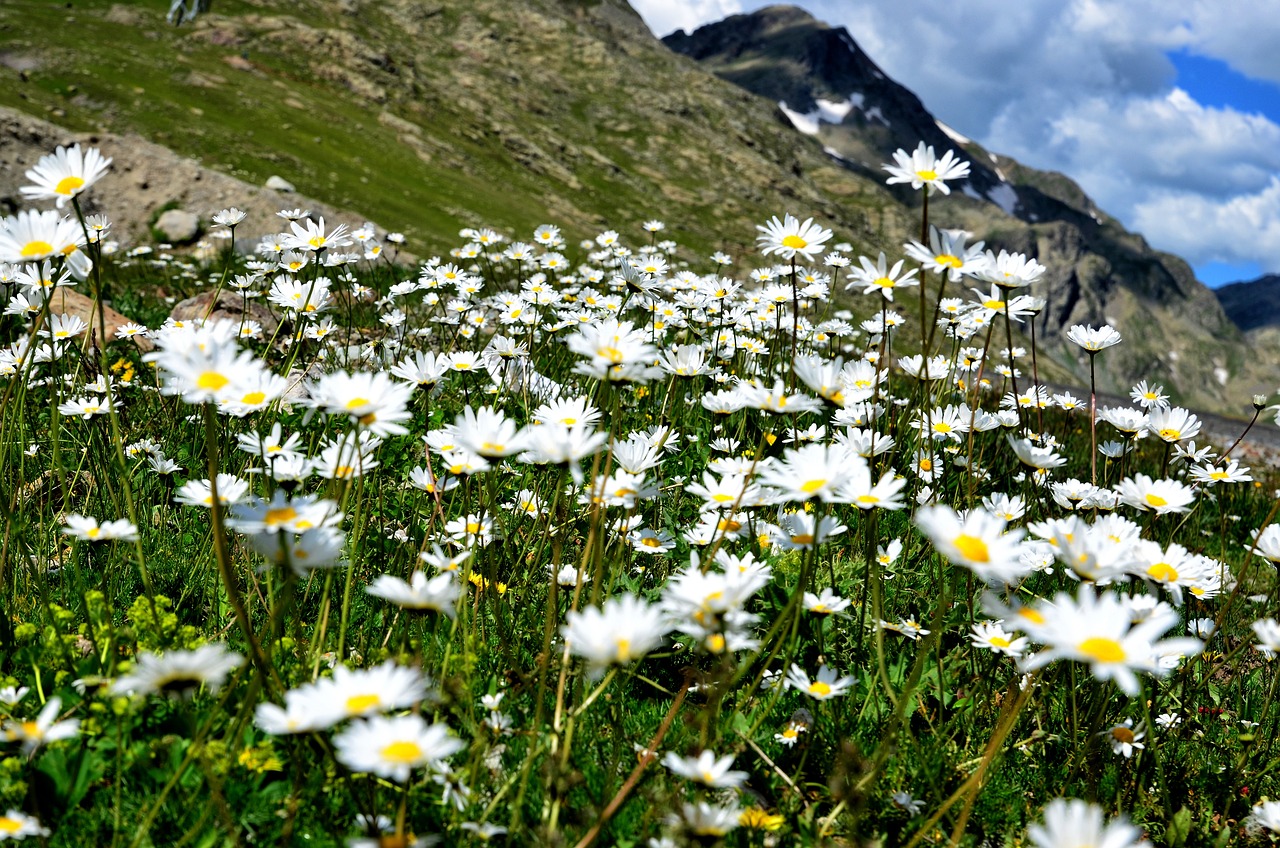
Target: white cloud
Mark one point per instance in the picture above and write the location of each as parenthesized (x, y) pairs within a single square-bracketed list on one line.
[(666, 16), (1085, 87)]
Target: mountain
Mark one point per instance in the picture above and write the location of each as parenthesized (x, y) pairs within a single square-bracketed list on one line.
[(1254, 304), (828, 88), (428, 116)]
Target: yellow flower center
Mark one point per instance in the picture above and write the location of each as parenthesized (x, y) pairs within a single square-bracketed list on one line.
[(278, 516), (211, 381), (802, 539), (942, 427), (927, 175), (253, 398), (1123, 735), (811, 486), (36, 248), (316, 241), (868, 499), (819, 688), (1156, 500), (68, 185), (948, 261), (993, 304), (1031, 615), (356, 403), (611, 354), (624, 650), (883, 282), (1170, 435), (402, 752), (999, 641), (357, 704), (1164, 572), (795, 242), (651, 542), (972, 548), (1102, 649)]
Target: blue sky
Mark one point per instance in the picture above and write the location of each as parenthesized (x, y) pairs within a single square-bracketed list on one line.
[(1167, 112)]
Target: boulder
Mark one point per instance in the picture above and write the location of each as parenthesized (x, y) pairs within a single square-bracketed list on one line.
[(276, 183), (178, 226), (66, 301), (229, 307)]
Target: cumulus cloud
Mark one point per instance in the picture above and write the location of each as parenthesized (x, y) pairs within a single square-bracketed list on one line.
[(666, 16), (1086, 87)]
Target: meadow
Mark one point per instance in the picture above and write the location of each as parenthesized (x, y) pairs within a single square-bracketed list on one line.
[(605, 542)]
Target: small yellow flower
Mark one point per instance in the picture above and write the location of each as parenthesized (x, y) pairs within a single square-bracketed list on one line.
[(757, 819)]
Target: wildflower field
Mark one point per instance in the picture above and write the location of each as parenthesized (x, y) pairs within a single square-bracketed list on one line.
[(601, 542)]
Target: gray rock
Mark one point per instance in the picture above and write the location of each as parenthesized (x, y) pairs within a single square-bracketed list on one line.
[(276, 183), (178, 226)]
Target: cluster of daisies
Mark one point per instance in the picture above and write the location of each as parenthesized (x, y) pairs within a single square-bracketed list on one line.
[(790, 403)]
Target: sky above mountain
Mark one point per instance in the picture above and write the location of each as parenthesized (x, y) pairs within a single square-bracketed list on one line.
[(1167, 113)]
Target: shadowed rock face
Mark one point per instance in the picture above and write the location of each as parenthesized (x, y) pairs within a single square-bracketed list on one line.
[(1254, 304), (1175, 330)]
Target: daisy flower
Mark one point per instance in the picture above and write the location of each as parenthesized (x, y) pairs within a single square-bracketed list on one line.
[(87, 527), (420, 593), (790, 734), (64, 174), (828, 603), (1097, 629), (1093, 339), (43, 730), (790, 237), (1124, 739), (393, 747), (1173, 424), (978, 542), (1159, 496), (178, 673), (826, 685), (622, 631), (1149, 397), (922, 167), (373, 400), (706, 769), (16, 824), (1071, 823), (992, 636), (947, 253), (1267, 815), (879, 277), (31, 236)]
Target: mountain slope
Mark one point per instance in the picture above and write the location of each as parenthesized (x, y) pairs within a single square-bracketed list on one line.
[(1252, 304), (1175, 330), (432, 115)]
